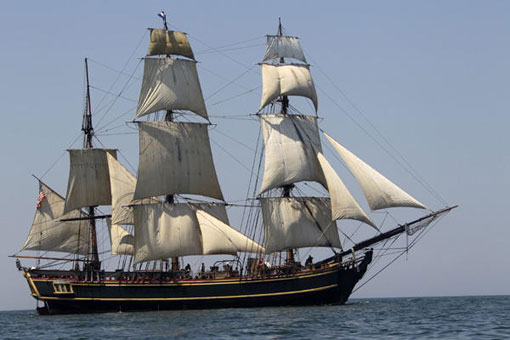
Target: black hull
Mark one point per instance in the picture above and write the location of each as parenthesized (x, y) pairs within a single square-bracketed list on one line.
[(68, 294)]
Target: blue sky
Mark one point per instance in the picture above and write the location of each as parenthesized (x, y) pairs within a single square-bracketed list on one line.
[(431, 76)]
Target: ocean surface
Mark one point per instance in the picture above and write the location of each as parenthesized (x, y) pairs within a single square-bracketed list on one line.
[(479, 317)]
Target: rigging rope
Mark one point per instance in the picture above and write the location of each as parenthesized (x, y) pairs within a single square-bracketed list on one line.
[(229, 83), (60, 157), (420, 235), (118, 77), (402, 161)]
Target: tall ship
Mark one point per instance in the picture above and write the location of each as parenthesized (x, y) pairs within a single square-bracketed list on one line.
[(174, 207)]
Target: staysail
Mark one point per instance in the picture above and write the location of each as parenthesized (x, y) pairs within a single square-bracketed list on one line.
[(343, 204), (49, 233), (220, 238), (123, 185), (122, 242), (380, 192)]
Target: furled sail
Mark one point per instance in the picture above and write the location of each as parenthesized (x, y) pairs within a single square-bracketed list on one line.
[(123, 185), (287, 80), (170, 84), (343, 204), (175, 158), (122, 242), (290, 143), (169, 42), (168, 230), (291, 222), (89, 179), (48, 233), (380, 192), (283, 47)]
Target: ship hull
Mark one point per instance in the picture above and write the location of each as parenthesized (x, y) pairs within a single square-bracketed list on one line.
[(68, 294)]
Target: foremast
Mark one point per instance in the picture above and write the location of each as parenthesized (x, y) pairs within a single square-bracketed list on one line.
[(290, 222), (293, 153)]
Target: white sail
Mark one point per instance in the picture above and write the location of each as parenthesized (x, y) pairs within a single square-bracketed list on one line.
[(215, 209), (123, 185), (343, 204), (220, 238), (122, 242), (290, 144), (283, 47), (165, 230), (170, 84), (168, 230), (89, 179), (175, 158), (291, 222), (380, 192), (48, 233), (169, 42), (286, 80)]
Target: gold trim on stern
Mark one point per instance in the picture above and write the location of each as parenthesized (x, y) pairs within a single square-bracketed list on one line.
[(32, 286)]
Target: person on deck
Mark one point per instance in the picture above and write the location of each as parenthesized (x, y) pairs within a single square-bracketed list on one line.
[(309, 262), (201, 274)]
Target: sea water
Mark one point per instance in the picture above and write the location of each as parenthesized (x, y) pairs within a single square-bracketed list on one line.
[(480, 317)]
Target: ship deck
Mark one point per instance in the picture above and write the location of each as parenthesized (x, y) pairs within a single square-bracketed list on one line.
[(83, 292)]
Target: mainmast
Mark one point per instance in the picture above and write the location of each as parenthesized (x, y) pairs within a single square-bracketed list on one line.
[(176, 158), (170, 199), (286, 189), (88, 130)]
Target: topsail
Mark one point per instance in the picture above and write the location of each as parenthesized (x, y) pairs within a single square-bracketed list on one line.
[(170, 84), (287, 80), (291, 143), (89, 179), (280, 46), (175, 158)]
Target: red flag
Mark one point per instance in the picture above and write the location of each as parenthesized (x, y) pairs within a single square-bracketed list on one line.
[(42, 195)]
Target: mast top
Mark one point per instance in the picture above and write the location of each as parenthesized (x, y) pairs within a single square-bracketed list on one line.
[(162, 15), (86, 126)]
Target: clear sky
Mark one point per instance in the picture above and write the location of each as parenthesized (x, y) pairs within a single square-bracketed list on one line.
[(431, 76)]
